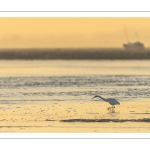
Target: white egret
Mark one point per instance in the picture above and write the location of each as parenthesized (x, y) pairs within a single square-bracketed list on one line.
[(111, 101)]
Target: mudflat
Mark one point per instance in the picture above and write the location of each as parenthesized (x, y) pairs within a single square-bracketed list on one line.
[(73, 117)]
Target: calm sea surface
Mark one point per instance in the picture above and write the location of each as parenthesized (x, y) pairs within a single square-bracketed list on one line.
[(55, 80)]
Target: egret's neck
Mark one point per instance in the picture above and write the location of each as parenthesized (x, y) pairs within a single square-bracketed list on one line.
[(103, 98)]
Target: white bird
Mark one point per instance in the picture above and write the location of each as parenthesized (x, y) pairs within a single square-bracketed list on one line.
[(111, 101)]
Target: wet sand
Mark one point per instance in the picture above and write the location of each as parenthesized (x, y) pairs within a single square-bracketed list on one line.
[(75, 117)]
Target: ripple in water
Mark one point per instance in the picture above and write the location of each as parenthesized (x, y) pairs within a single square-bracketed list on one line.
[(73, 88)]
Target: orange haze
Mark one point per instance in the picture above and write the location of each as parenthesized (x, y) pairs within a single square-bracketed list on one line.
[(71, 32)]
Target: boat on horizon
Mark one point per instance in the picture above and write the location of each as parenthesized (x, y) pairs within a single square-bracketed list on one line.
[(133, 45)]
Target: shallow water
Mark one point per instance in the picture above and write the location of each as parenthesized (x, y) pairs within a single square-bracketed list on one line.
[(39, 81), (64, 85)]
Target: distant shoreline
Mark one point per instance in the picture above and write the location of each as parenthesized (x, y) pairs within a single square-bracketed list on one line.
[(66, 54)]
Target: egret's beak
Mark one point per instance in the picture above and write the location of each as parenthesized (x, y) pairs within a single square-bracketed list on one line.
[(93, 97)]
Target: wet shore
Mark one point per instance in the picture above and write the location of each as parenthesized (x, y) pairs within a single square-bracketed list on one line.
[(73, 117)]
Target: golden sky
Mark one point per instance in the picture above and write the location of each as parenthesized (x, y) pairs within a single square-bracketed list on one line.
[(71, 32)]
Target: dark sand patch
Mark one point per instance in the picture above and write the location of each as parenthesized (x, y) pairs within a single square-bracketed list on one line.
[(107, 120), (139, 113), (49, 120)]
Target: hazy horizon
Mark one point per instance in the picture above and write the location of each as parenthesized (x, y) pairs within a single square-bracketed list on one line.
[(72, 32)]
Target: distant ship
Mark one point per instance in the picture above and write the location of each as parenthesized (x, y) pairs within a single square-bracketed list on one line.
[(135, 45)]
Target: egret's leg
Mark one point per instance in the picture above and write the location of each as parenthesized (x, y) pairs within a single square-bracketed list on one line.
[(113, 109), (108, 108)]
